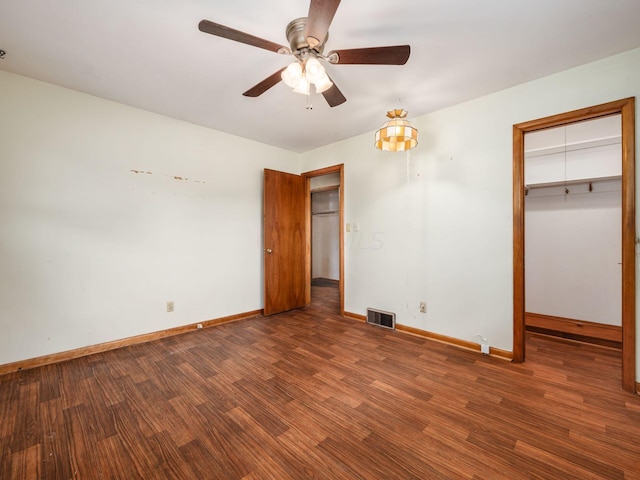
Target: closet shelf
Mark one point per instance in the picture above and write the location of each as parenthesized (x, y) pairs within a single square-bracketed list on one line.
[(572, 182), (324, 212), (572, 147)]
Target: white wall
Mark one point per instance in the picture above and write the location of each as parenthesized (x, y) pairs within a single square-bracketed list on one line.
[(444, 235), (325, 246), (325, 233), (573, 252), (90, 251), (580, 151)]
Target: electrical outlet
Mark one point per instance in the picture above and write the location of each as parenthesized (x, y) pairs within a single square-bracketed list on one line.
[(423, 307), (170, 306), (485, 348)]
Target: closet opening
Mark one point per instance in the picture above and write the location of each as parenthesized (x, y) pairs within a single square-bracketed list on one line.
[(585, 185), (326, 237), (573, 213)]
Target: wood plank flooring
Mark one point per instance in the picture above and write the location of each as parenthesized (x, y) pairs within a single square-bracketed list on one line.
[(308, 394)]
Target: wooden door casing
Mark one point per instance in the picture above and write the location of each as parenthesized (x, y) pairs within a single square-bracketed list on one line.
[(626, 108)]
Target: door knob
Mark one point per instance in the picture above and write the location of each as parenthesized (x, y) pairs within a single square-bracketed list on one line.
[(267, 250)]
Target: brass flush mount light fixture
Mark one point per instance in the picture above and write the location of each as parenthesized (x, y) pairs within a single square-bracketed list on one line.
[(398, 134)]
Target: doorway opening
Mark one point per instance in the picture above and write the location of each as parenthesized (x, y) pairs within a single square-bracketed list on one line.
[(325, 235), (573, 216), (626, 109)]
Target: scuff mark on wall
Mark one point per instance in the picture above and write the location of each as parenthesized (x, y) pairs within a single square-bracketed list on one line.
[(186, 179), (175, 177)]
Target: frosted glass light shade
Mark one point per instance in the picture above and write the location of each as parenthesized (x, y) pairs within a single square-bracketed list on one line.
[(292, 74), (398, 134), (323, 84), (300, 78), (302, 86), (314, 70)]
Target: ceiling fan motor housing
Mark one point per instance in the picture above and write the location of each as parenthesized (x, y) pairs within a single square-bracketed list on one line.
[(296, 35)]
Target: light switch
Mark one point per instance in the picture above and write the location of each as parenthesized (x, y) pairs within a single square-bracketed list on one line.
[(348, 227)]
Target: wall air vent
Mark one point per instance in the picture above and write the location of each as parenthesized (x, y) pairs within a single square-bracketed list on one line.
[(380, 318)]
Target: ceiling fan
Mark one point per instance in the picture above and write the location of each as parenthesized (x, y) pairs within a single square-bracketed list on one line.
[(307, 37)]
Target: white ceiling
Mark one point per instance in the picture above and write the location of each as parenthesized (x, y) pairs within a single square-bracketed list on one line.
[(150, 54)]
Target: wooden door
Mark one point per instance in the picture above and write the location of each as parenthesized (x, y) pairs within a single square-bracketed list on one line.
[(286, 243)]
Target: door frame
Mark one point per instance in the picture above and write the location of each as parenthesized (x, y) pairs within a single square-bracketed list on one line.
[(317, 173), (626, 108)]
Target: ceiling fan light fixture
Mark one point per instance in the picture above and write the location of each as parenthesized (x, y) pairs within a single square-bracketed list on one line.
[(292, 75), (398, 134), (299, 76), (323, 84), (307, 37), (314, 70), (302, 86)]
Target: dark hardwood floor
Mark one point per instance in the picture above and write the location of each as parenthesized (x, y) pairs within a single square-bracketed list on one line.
[(308, 394)]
